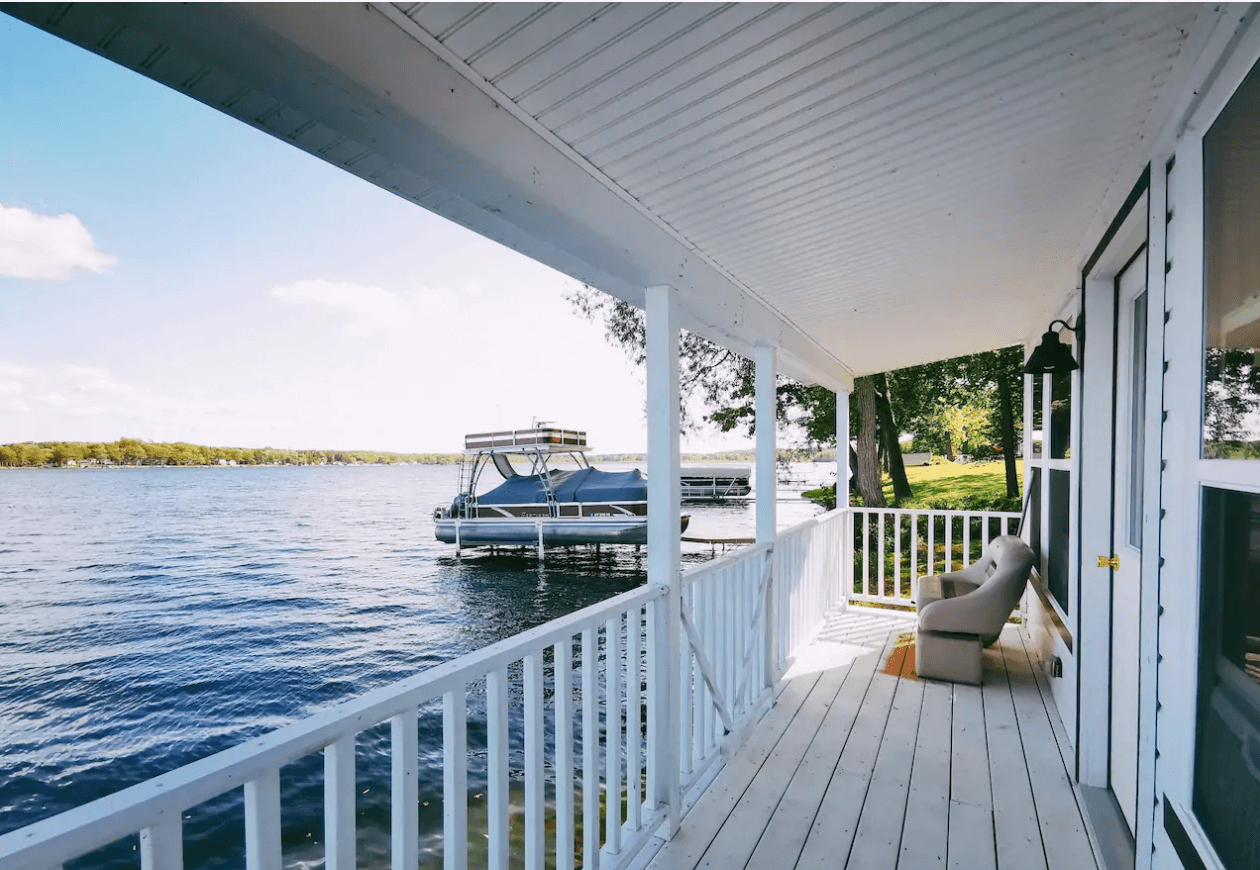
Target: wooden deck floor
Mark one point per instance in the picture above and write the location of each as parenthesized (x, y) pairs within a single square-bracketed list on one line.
[(856, 768)]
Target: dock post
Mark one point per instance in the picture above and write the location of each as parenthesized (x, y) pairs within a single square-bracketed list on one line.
[(540, 542), (458, 553)]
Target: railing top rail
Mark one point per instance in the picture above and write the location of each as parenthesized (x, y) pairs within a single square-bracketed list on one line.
[(937, 513), (813, 521), (65, 836)]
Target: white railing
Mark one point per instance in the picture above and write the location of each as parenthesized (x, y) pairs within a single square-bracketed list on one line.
[(724, 671), (892, 547), (594, 662), (599, 676), (809, 561)]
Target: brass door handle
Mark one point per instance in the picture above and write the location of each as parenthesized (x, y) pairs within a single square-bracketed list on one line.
[(1113, 563)]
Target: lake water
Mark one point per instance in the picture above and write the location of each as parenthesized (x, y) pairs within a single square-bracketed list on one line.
[(151, 617)]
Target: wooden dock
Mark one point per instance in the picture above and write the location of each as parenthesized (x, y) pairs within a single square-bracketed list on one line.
[(860, 764)]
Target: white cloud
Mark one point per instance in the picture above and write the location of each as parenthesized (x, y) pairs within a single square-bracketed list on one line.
[(368, 310), (39, 246), (81, 403)]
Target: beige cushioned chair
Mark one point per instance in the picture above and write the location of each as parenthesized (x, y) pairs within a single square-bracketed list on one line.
[(963, 611)]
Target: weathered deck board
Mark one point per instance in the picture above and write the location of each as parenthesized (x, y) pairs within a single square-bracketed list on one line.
[(878, 840), (743, 828), (971, 843), (1058, 813), (835, 825), (927, 809), (790, 824), (858, 769), (1014, 812), (706, 819)]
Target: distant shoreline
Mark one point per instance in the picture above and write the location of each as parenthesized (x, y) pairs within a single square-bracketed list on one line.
[(133, 453)]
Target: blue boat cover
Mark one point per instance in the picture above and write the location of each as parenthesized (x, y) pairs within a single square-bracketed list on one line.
[(583, 485)]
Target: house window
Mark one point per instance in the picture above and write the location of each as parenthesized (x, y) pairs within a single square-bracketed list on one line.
[(1227, 755), (1227, 737), (1060, 491), (1231, 184), (1061, 412)]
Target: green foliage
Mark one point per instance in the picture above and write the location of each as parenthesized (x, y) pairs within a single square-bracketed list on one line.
[(132, 451), (919, 397)]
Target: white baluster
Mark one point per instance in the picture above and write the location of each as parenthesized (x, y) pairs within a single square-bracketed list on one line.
[(497, 769), (590, 751), (866, 553), (339, 804), (262, 822), (706, 714), (687, 690), (914, 554), (535, 809), (455, 779), (562, 655), (612, 734), (897, 553), (634, 723), (966, 559), (879, 590), (404, 791), (162, 845), (931, 562)]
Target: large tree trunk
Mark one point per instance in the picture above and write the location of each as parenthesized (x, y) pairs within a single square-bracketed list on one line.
[(949, 447), (892, 444), (868, 458), (1008, 435)]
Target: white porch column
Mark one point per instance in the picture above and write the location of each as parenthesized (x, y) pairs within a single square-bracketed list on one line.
[(842, 449), (764, 359), (664, 555)]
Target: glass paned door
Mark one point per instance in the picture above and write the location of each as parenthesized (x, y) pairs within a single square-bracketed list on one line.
[(1126, 574)]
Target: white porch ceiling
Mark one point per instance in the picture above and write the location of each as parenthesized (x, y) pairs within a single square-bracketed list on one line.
[(865, 186)]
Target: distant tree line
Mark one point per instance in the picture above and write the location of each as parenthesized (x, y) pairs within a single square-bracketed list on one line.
[(131, 451)]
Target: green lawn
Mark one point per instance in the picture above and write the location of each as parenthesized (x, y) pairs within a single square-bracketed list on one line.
[(949, 485), (950, 480)]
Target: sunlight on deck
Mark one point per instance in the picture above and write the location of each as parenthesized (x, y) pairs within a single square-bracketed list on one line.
[(860, 764)]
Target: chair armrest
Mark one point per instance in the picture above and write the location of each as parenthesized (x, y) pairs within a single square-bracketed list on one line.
[(980, 612)]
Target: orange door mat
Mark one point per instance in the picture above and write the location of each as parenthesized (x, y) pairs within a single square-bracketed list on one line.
[(900, 659)]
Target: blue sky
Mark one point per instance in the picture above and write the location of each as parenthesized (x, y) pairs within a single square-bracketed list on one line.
[(168, 273)]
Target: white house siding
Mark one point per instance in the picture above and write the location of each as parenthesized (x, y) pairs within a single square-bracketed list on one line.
[(1230, 55)]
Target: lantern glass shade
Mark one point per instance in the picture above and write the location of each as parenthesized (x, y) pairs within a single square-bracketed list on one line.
[(1052, 357)]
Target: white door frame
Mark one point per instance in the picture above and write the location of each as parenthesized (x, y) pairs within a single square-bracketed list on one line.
[(1096, 504)]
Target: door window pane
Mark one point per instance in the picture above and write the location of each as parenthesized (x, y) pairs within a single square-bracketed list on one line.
[(1137, 421), (1227, 755), (1231, 189)]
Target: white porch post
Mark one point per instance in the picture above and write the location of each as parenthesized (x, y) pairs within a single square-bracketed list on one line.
[(842, 449), (664, 555), (764, 359)]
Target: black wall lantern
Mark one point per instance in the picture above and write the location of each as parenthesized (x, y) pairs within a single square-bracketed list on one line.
[(1052, 357)]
